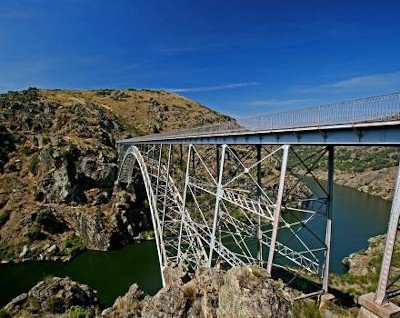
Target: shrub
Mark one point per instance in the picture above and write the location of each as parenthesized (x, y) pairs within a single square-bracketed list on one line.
[(45, 140), (256, 272), (148, 235), (74, 245), (33, 304), (32, 167), (189, 290), (55, 305), (306, 310), (4, 216), (78, 312), (103, 92), (34, 233)]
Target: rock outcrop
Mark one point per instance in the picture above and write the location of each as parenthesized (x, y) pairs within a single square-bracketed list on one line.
[(54, 297), (57, 152), (239, 292)]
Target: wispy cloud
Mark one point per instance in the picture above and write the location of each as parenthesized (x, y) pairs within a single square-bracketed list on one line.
[(279, 102), (383, 80), (211, 88), (367, 81)]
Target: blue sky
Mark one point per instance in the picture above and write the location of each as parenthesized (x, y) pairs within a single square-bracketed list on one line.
[(238, 57)]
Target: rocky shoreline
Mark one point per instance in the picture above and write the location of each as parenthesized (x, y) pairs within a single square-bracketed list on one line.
[(239, 292)]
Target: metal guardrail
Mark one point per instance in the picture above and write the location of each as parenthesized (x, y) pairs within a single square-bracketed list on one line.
[(371, 109)]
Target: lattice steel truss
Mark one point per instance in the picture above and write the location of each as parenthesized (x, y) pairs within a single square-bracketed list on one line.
[(236, 205)]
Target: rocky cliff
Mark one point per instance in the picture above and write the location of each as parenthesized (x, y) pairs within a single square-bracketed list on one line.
[(58, 164), (240, 292)]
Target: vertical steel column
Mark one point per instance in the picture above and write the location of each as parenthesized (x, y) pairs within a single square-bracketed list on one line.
[(329, 209), (217, 200), (184, 202), (216, 176), (259, 231), (158, 172), (166, 187), (181, 158), (278, 207), (217, 161), (380, 295)]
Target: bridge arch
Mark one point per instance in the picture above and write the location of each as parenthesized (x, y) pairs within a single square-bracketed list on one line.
[(127, 167)]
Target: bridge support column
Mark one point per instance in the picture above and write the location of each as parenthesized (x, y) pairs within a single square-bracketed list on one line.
[(164, 207), (259, 191), (378, 305), (217, 202), (277, 212), (184, 202), (329, 209)]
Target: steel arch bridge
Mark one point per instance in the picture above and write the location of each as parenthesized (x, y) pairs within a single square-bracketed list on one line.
[(244, 192)]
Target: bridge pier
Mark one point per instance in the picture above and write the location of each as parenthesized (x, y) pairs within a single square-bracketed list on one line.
[(259, 192), (278, 206), (378, 304), (329, 209), (185, 189), (217, 203)]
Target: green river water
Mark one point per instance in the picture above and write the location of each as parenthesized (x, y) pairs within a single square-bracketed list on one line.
[(356, 217)]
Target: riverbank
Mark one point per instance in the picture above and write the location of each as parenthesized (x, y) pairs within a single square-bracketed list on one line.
[(363, 268), (378, 183)]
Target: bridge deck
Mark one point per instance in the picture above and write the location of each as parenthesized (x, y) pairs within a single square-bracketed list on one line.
[(368, 121)]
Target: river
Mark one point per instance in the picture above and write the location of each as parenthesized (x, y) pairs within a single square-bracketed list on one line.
[(356, 217)]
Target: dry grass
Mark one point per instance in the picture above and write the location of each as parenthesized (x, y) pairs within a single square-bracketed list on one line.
[(147, 111)]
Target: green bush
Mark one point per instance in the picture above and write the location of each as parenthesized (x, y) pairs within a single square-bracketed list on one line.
[(34, 233), (4, 313), (32, 167), (78, 312), (74, 245), (256, 272), (103, 92), (45, 140), (4, 216)]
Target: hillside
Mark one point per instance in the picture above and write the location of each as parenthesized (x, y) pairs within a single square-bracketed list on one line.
[(58, 164), (372, 170), (143, 111)]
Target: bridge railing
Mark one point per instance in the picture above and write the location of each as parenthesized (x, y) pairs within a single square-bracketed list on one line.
[(373, 109), (225, 127)]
